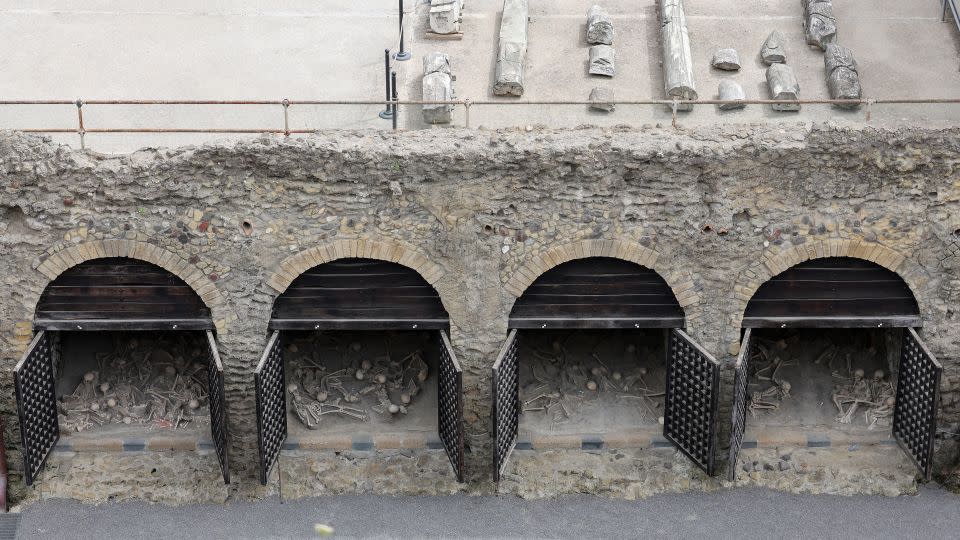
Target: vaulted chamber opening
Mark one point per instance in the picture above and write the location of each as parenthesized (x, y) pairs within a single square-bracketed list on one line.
[(829, 357), (124, 359), (359, 357), (596, 352)]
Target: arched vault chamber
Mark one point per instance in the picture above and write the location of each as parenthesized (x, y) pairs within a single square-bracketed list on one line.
[(123, 350)]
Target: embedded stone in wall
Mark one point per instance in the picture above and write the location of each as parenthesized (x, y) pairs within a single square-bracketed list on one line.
[(437, 86), (726, 59), (601, 99), (843, 78), (602, 60), (731, 90), (774, 50), (599, 27), (446, 16), (783, 85), (513, 48), (819, 23), (677, 58)]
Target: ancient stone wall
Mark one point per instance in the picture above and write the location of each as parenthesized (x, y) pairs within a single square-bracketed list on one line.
[(716, 211)]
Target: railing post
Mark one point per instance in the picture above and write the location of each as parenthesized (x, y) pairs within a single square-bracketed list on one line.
[(286, 117), (401, 55), (80, 129), (396, 110), (387, 113)]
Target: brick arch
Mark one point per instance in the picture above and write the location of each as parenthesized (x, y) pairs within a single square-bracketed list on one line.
[(776, 261), (67, 258), (680, 281), (384, 250)]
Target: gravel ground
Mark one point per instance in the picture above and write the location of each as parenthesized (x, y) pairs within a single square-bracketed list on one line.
[(727, 514)]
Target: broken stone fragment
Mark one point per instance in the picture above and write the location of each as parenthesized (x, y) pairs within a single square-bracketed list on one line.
[(602, 60), (513, 48), (677, 58), (819, 23), (774, 50), (843, 77), (446, 16), (437, 86), (783, 85), (601, 99), (599, 27), (731, 90), (726, 59)]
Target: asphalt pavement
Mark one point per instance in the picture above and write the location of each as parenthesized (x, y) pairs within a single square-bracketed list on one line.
[(740, 513)]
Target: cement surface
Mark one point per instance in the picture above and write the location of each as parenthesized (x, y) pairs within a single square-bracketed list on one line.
[(333, 49), (740, 513)]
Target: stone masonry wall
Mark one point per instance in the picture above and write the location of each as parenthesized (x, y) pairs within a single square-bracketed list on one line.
[(716, 211)]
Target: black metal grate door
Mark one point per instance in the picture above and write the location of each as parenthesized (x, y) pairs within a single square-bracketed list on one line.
[(738, 420), (506, 403), (915, 412), (690, 411), (450, 404), (270, 383), (218, 406), (36, 405)]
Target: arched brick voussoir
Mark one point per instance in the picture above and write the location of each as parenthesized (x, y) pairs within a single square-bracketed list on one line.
[(681, 281), (59, 262), (384, 250), (774, 261)]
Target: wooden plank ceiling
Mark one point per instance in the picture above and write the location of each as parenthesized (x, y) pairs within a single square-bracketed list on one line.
[(836, 292), (120, 294), (598, 292), (359, 294)]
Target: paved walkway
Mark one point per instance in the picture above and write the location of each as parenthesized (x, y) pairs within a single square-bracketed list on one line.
[(742, 513)]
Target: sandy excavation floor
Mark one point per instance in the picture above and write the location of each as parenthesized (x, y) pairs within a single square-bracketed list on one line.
[(132, 384), (365, 373), (817, 370), (591, 382)]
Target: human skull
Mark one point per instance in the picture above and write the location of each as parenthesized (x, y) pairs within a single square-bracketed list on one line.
[(878, 375), (381, 378), (405, 399), (89, 377), (858, 374), (785, 387), (193, 404), (360, 374), (365, 365), (422, 375), (591, 385), (105, 387), (616, 376), (393, 408), (321, 396), (292, 387), (111, 403)]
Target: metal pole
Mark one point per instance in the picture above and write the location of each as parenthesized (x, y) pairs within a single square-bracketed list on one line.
[(402, 55), (387, 113), (396, 110)]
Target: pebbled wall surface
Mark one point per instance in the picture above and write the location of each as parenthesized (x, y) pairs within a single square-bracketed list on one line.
[(480, 214)]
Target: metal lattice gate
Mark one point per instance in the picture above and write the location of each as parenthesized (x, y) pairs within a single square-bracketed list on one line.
[(270, 383), (36, 391), (915, 412), (738, 420), (506, 403), (690, 410), (450, 403), (218, 406)]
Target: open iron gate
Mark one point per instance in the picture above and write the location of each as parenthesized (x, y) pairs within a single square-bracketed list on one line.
[(915, 411), (738, 420), (36, 391), (218, 406), (506, 403), (450, 405), (270, 386), (690, 409)]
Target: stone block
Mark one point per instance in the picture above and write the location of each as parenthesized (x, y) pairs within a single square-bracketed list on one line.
[(446, 16), (819, 23), (675, 46), (783, 85), (726, 59), (599, 27), (602, 61), (512, 49), (437, 86), (843, 77), (774, 50), (601, 99), (730, 90)]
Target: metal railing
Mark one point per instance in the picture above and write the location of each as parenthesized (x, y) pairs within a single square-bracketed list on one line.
[(952, 6), (673, 106)]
